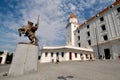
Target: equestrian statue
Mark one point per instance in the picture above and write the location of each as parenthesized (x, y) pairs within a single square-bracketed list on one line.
[(29, 31)]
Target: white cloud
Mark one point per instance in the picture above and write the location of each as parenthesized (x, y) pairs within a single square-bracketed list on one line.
[(72, 7), (52, 23)]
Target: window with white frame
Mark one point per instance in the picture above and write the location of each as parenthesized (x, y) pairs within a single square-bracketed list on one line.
[(57, 54), (88, 26), (78, 31), (46, 54), (62, 54), (103, 27), (78, 37), (51, 54), (79, 45), (102, 19), (89, 42), (88, 34), (75, 55), (118, 9), (105, 37)]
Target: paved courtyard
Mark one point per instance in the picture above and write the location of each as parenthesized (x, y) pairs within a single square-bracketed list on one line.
[(75, 70)]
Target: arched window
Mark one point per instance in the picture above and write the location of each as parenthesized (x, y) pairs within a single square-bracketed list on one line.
[(57, 54), (75, 55), (51, 54), (46, 54), (62, 54)]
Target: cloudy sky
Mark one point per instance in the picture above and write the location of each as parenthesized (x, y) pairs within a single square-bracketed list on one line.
[(53, 19)]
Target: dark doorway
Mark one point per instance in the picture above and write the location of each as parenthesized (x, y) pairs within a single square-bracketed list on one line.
[(70, 56), (0, 60), (107, 53)]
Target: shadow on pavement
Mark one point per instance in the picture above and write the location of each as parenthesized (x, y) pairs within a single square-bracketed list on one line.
[(65, 78)]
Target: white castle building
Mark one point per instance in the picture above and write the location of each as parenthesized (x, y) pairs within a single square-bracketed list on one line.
[(3, 56), (69, 51), (65, 53), (101, 32), (99, 35)]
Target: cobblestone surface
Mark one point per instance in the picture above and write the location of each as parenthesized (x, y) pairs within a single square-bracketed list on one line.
[(75, 70)]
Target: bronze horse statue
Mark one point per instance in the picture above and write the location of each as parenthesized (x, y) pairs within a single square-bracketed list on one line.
[(29, 31)]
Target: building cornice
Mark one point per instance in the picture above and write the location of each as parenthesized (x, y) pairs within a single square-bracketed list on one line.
[(100, 13), (67, 47)]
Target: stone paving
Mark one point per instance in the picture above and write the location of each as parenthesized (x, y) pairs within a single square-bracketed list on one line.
[(73, 70)]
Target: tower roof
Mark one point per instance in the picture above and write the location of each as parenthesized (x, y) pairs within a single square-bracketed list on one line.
[(72, 15)]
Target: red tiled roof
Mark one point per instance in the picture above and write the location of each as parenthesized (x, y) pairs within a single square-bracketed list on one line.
[(81, 25), (72, 15), (116, 2), (92, 18), (101, 12)]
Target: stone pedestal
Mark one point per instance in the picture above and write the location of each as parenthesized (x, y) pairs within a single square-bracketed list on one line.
[(24, 60)]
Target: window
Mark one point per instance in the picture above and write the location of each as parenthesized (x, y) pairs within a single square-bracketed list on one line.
[(78, 31), (86, 56), (107, 53), (62, 54), (78, 37), (105, 37), (87, 26), (119, 20), (89, 42), (88, 33), (46, 54), (118, 9), (79, 44), (57, 54), (75, 55), (81, 56), (101, 19), (103, 27), (51, 54)]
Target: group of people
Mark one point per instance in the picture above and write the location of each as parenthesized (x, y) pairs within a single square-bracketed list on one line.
[(57, 60)]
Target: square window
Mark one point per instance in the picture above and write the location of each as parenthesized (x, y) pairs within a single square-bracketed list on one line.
[(75, 55), (62, 54), (46, 54), (57, 54), (78, 37), (101, 19), (51, 54), (89, 42), (88, 26), (79, 44), (105, 37), (118, 9), (103, 27), (88, 33), (86, 56)]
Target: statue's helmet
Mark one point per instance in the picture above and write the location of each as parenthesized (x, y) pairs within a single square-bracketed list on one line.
[(30, 23)]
